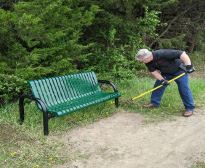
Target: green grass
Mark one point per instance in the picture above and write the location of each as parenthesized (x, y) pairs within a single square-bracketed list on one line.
[(198, 60), (171, 103), (26, 146), (199, 165)]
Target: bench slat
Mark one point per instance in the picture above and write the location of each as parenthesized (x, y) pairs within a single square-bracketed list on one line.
[(85, 85), (59, 94), (47, 93), (51, 91), (62, 84), (68, 93), (61, 90), (43, 93), (71, 86), (34, 89), (37, 91), (95, 82), (77, 86)]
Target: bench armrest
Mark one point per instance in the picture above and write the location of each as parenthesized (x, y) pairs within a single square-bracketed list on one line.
[(43, 107), (31, 96), (110, 83)]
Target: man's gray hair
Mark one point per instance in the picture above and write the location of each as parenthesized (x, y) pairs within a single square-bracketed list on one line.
[(143, 54)]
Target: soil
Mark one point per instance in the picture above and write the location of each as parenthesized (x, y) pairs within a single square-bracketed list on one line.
[(124, 141)]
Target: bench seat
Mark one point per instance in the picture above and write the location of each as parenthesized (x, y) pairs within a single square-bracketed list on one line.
[(65, 108)]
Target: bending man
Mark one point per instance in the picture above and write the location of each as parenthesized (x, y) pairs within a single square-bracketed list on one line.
[(168, 62)]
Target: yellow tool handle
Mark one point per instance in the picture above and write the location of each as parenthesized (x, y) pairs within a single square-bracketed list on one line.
[(157, 87)]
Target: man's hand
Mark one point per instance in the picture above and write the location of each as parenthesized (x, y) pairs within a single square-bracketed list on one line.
[(190, 68), (165, 82)]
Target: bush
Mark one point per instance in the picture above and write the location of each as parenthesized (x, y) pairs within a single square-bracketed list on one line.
[(173, 43), (11, 87), (39, 39)]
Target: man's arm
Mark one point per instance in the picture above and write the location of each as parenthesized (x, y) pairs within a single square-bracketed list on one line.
[(185, 58), (188, 66), (157, 75), (160, 78)]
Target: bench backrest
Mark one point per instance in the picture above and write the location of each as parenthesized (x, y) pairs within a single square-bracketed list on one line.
[(60, 89)]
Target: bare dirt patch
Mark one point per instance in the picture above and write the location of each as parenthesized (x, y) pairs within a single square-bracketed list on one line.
[(8, 135), (123, 141)]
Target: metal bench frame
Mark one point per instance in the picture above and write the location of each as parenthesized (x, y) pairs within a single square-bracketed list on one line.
[(44, 108)]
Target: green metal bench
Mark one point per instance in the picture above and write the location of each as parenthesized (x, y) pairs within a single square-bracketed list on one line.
[(62, 95)]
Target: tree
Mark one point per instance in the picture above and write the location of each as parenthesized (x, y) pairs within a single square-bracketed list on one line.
[(182, 17), (41, 38)]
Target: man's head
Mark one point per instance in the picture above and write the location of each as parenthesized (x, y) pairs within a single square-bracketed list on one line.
[(142, 55)]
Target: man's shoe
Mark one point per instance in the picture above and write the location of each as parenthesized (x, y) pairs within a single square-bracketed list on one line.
[(149, 106), (187, 113)]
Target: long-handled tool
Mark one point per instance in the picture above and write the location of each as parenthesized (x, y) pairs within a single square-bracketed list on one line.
[(157, 87)]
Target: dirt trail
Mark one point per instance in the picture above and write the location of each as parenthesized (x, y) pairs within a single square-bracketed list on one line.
[(123, 141)]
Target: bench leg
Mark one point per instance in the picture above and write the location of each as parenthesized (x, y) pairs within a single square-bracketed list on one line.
[(116, 102), (45, 116), (43, 107), (21, 109), (45, 123)]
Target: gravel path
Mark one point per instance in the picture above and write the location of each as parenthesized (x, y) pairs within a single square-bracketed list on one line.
[(123, 141)]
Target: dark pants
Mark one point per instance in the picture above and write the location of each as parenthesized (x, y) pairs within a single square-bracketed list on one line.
[(183, 87)]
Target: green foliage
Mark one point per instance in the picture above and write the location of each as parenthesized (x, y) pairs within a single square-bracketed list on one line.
[(119, 31), (201, 40), (40, 39), (11, 86), (174, 43), (51, 30), (113, 62)]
